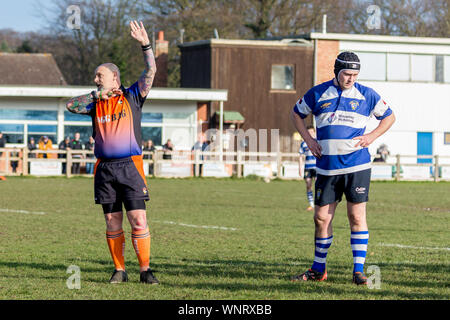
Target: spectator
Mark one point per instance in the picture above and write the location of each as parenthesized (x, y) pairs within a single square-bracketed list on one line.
[(2, 141), (45, 144), (14, 163), (2, 145), (90, 146), (76, 145), (200, 145), (382, 153), (151, 148), (32, 146), (64, 145), (168, 148)]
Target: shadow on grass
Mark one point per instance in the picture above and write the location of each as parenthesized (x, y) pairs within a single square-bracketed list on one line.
[(254, 278)]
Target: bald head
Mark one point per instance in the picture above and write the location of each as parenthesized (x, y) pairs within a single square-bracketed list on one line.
[(107, 76)]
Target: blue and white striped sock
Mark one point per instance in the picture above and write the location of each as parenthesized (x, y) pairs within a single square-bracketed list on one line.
[(320, 254), (359, 241), (310, 196)]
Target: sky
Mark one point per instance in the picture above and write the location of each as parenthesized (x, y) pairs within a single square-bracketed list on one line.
[(22, 15)]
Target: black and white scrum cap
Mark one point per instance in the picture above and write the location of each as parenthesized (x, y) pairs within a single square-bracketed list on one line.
[(346, 61)]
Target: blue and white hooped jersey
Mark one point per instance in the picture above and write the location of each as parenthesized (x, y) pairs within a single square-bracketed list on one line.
[(340, 116), (310, 161)]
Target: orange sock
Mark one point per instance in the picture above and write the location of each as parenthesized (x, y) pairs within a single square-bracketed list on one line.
[(116, 244), (141, 244)]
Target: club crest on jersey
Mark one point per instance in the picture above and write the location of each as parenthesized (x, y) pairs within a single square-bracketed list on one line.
[(325, 105), (354, 104)]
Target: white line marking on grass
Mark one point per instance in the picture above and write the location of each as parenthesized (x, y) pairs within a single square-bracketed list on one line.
[(22, 211), (411, 247), (195, 226)]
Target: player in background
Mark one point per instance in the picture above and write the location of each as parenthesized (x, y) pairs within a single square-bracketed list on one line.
[(341, 108), (119, 173), (309, 161)]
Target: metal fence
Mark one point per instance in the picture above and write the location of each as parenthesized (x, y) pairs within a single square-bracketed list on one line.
[(196, 163)]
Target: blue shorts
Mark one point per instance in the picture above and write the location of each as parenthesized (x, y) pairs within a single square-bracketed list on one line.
[(355, 186)]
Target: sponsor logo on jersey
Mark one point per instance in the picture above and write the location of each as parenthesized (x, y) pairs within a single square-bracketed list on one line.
[(354, 104), (332, 117), (325, 105), (112, 117)]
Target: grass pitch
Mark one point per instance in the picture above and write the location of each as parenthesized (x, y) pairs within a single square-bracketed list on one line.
[(220, 239)]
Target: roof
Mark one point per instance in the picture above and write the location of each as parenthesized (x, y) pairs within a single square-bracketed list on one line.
[(30, 69), (73, 91), (378, 38), (288, 42), (231, 116), (306, 39)]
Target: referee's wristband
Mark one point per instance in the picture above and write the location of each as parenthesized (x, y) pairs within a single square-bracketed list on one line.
[(146, 47)]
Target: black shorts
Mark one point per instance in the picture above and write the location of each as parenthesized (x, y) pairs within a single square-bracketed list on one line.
[(310, 174), (355, 186), (120, 179)]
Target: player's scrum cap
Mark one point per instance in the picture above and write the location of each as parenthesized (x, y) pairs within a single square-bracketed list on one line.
[(346, 61)]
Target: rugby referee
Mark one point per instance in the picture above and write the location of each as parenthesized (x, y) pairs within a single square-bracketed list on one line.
[(341, 108), (119, 173)]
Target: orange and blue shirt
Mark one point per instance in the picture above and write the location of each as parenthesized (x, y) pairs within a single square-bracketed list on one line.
[(116, 124)]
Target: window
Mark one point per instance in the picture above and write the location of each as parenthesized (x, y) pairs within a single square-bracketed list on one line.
[(13, 133), (37, 131), (398, 67), (282, 77), (180, 137), (439, 73), (183, 118), (69, 116), (17, 114), (152, 133), (373, 66), (85, 132), (446, 137), (447, 69), (422, 67), (151, 117)]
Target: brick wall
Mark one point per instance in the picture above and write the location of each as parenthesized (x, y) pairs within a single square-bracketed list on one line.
[(327, 51)]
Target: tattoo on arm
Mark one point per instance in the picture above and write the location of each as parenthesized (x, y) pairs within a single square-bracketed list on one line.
[(145, 82), (79, 104)]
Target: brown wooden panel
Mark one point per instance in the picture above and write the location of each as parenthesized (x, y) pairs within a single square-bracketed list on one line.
[(245, 71)]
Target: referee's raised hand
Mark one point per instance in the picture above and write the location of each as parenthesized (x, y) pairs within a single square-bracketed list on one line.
[(138, 32)]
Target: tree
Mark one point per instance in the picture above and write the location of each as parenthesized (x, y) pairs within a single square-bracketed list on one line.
[(25, 47), (4, 47), (102, 36)]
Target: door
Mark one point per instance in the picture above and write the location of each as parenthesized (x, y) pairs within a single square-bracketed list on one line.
[(424, 146)]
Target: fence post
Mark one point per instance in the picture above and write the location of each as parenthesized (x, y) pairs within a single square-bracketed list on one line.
[(239, 163), (152, 162), (436, 168), (68, 163), (196, 164), (397, 173), (155, 163), (279, 167), (25, 161)]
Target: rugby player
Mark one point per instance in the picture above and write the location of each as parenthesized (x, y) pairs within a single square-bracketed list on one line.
[(119, 173), (309, 168), (341, 108)]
